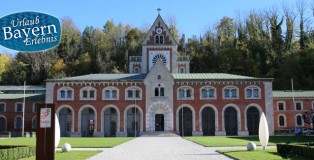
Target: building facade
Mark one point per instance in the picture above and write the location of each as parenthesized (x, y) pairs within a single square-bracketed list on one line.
[(158, 95), (289, 108), (11, 108)]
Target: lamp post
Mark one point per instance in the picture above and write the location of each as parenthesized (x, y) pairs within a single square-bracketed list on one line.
[(23, 117)]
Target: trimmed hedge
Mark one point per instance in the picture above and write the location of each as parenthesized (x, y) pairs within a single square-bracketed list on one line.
[(16, 152), (289, 150)]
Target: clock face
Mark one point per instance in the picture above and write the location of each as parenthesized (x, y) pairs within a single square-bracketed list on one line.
[(158, 30)]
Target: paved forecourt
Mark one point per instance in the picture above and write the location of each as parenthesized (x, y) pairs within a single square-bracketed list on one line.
[(157, 148)]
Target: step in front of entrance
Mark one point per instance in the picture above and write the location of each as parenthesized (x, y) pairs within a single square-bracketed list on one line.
[(159, 134)]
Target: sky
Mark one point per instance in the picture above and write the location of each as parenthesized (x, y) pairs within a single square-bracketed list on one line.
[(192, 17)]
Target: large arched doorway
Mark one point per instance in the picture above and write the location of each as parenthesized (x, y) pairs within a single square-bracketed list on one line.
[(87, 122), (252, 119), (133, 122), (65, 121), (185, 121), (110, 122), (231, 121), (208, 121), (3, 124)]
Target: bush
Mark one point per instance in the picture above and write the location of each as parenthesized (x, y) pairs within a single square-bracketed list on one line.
[(16, 152), (289, 150)]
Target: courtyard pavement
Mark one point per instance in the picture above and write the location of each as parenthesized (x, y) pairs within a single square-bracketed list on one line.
[(160, 148)]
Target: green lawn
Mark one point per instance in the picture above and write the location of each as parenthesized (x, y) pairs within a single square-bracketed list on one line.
[(75, 142), (222, 141), (269, 154), (72, 155)]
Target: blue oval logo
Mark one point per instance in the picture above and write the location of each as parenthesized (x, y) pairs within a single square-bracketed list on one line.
[(29, 31)]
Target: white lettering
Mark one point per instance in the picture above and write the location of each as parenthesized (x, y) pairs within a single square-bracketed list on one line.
[(34, 30), (17, 34), (54, 28), (37, 20), (15, 24), (26, 33), (5, 32)]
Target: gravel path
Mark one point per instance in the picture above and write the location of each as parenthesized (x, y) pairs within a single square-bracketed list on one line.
[(159, 148)]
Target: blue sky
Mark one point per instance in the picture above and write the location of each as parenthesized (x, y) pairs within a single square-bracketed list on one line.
[(192, 17)]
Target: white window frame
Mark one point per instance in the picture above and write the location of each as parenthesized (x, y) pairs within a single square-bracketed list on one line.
[(16, 107), (33, 127), (88, 89), (207, 92), (5, 106), (181, 69), (284, 105), (296, 122), (285, 120), (136, 68), (230, 94), (185, 88), (252, 91), (34, 107), (65, 89), (110, 89), (15, 122), (133, 89), (295, 105)]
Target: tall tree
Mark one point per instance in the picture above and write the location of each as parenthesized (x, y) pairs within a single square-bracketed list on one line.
[(172, 25), (5, 61), (69, 47)]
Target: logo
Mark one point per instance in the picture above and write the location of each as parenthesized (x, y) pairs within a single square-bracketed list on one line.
[(29, 31)]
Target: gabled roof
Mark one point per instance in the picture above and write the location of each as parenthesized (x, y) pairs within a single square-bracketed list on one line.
[(21, 96), (295, 94), (214, 76), (159, 68), (103, 77), (158, 19), (21, 88)]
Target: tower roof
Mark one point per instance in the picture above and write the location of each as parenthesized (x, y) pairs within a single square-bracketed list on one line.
[(159, 23)]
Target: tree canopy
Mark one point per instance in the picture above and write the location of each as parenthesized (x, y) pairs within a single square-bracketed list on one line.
[(274, 43)]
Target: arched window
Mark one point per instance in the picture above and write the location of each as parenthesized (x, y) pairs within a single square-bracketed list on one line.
[(282, 121), (88, 93), (281, 106), (18, 107), (208, 92), (159, 91), (298, 105), (65, 93), (133, 93), (230, 92), (185, 92), (110, 93), (159, 39), (136, 70), (182, 70), (18, 122), (252, 92), (156, 92), (62, 92), (34, 122), (299, 120), (3, 107), (35, 105)]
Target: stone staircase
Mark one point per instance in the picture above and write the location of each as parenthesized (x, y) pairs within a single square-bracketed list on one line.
[(159, 134)]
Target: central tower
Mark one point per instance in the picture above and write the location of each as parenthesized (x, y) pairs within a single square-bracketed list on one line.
[(159, 44)]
